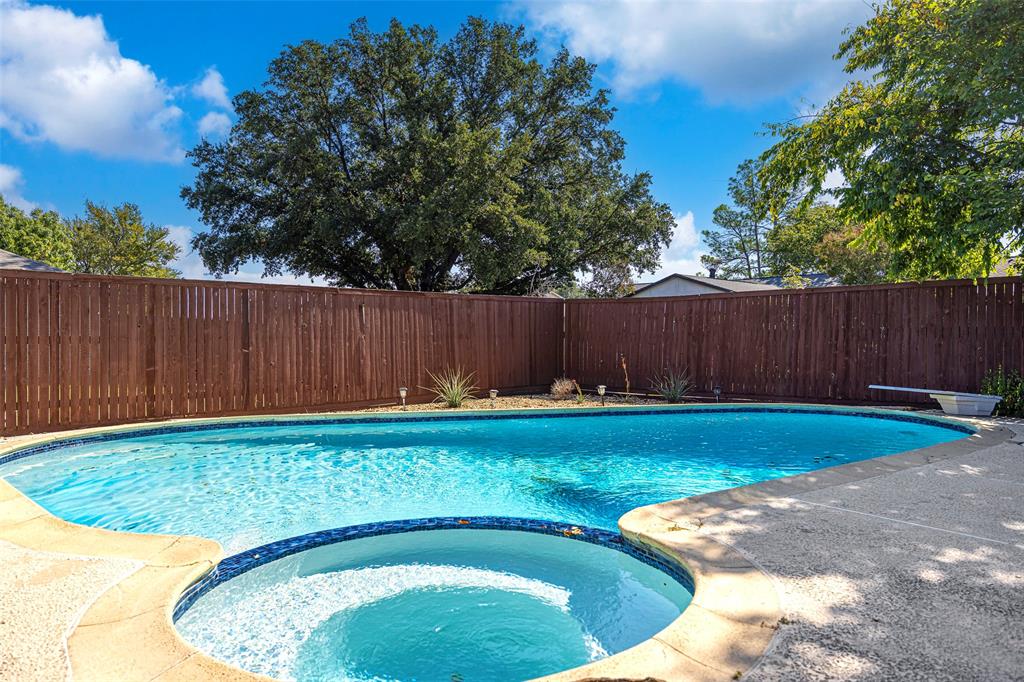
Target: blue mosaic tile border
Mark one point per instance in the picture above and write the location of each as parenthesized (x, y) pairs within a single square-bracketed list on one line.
[(238, 564), (374, 419)]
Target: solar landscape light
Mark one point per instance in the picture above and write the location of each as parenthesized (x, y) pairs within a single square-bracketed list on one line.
[(402, 392), (600, 391), (717, 390), (494, 394)]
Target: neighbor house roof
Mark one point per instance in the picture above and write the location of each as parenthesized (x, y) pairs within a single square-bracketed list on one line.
[(12, 261), (724, 285), (815, 279)]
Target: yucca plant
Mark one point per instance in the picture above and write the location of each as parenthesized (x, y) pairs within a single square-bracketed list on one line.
[(672, 386), (452, 386)]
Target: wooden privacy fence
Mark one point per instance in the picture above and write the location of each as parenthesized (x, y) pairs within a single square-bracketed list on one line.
[(86, 350), (808, 344), (83, 350)]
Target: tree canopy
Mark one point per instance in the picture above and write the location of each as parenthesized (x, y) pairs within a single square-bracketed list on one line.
[(931, 145), (738, 245), (118, 242), (39, 235), (772, 231), (819, 238), (395, 160), (102, 242)]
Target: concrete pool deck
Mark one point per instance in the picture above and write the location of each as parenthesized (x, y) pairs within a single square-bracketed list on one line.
[(908, 566)]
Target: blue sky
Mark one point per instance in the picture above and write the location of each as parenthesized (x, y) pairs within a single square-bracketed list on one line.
[(100, 100)]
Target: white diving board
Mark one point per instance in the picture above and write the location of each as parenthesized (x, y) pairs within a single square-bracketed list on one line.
[(953, 402)]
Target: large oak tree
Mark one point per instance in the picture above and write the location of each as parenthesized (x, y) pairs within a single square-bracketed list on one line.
[(396, 160)]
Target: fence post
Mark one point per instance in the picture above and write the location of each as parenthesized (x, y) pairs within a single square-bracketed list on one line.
[(246, 352), (150, 353)]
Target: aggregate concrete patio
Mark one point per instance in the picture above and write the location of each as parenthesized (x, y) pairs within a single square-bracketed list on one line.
[(916, 574), (911, 573)]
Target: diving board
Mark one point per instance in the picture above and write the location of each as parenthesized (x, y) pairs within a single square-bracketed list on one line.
[(953, 402)]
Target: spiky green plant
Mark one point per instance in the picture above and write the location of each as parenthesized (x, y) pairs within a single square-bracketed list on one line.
[(452, 386), (672, 386)]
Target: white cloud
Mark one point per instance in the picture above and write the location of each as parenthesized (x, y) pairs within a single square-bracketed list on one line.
[(684, 236), (10, 187), (215, 124), (732, 51), (212, 89), (66, 82), (683, 253), (191, 265), (683, 266)]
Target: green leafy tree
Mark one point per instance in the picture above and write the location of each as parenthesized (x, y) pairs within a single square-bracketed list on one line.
[(118, 242), (932, 145), (793, 243), (734, 246), (40, 235), (849, 255), (737, 247), (820, 239), (395, 160)]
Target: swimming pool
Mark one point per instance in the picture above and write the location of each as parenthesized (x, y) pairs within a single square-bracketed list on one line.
[(245, 484)]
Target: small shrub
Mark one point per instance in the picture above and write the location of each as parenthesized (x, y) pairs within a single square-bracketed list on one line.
[(452, 386), (1010, 385), (672, 386), (563, 388)]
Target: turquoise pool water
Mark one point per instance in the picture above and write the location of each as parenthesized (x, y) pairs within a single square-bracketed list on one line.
[(247, 486), (439, 605)]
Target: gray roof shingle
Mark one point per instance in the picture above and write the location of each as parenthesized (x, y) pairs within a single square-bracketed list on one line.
[(724, 285), (12, 261), (815, 279)]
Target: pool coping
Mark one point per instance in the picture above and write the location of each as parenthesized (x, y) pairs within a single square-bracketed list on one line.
[(128, 633), (251, 559)]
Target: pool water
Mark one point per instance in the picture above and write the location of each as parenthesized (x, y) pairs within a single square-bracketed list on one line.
[(247, 486), (472, 605)]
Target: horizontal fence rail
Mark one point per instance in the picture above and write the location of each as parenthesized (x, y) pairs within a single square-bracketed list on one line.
[(86, 350), (81, 350), (808, 344)]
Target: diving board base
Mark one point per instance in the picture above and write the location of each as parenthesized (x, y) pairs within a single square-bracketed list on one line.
[(966, 406)]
